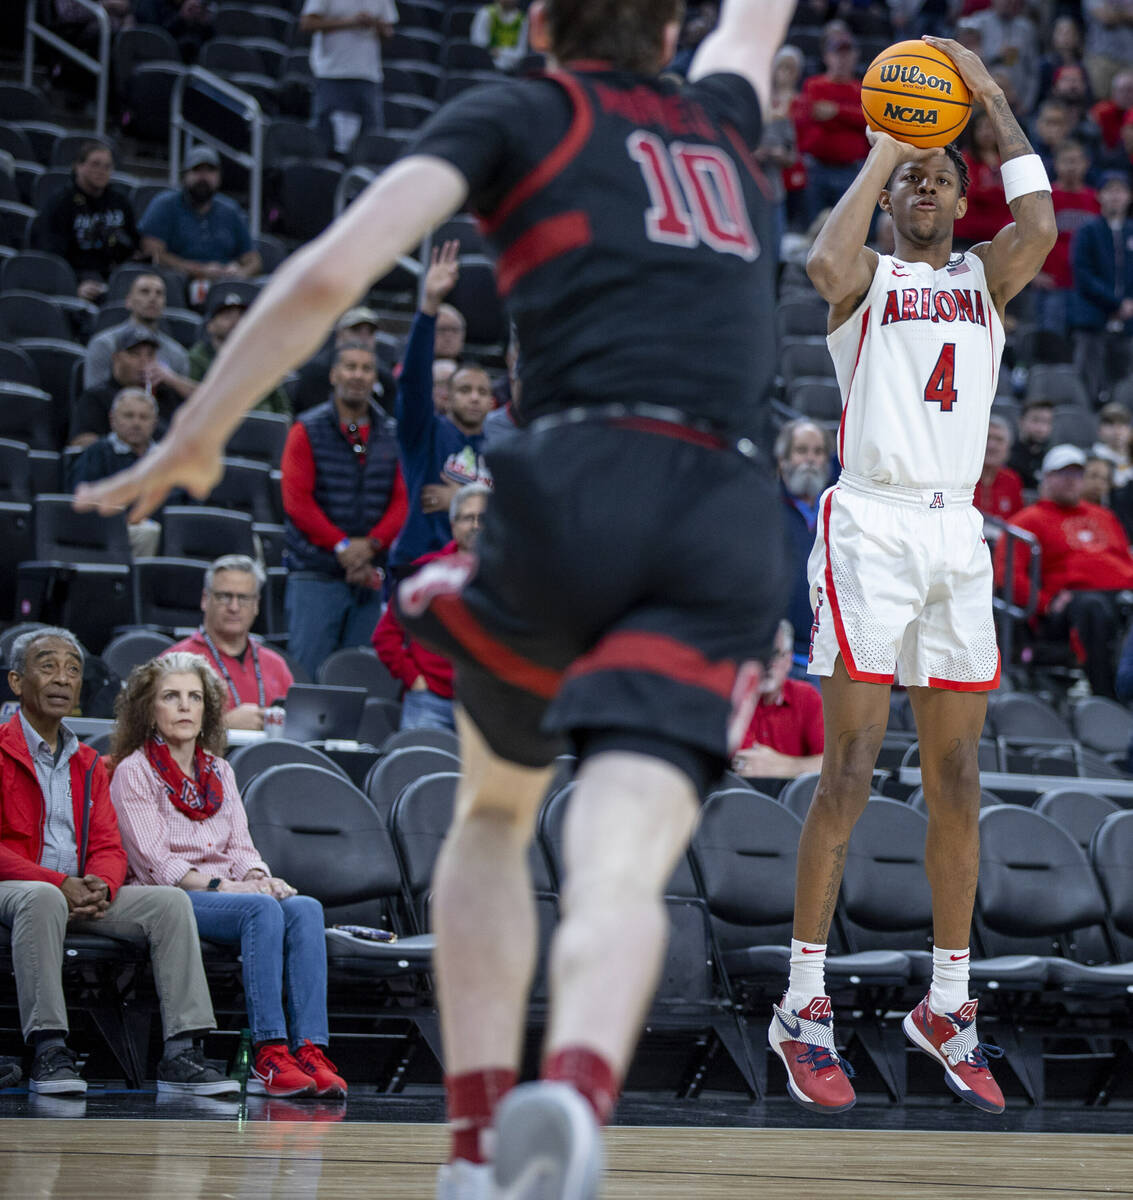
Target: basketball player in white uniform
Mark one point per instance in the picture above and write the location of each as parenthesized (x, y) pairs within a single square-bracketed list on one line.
[(900, 576)]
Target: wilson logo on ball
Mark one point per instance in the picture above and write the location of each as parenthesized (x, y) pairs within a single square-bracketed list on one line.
[(914, 93), (914, 77)]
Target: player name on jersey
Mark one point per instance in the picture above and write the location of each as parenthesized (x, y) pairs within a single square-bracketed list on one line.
[(924, 304)]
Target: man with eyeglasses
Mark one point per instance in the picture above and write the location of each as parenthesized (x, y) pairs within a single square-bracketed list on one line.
[(254, 675)]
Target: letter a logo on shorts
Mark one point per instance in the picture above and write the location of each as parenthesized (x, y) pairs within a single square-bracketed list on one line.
[(937, 500)]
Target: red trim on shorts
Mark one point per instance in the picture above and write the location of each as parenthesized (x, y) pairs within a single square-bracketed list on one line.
[(655, 654), (952, 685), (853, 373), (836, 612), (670, 429), (556, 162), (501, 660), (541, 243)]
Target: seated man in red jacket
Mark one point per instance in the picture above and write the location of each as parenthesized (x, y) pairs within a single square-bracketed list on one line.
[(61, 870), (1085, 564), (427, 701)]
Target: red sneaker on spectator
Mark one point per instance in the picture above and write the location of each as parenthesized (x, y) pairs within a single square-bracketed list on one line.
[(314, 1061), (276, 1073)]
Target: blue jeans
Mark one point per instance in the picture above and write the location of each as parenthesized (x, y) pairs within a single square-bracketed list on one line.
[(426, 710), (359, 96), (323, 615), (826, 185), (281, 943)]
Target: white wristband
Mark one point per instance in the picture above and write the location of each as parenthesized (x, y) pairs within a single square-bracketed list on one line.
[(1024, 175)]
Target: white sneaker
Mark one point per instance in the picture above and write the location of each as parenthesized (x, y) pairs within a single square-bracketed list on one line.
[(548, 1145), (462, 1180)]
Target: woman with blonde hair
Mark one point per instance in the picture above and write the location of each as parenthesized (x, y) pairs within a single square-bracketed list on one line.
[(183, 824)]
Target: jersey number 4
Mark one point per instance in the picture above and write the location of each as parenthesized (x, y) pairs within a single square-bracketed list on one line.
[(695, 194), (940, 388)]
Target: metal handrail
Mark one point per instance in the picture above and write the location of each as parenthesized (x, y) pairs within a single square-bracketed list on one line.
[(250, 111), (100, 69)]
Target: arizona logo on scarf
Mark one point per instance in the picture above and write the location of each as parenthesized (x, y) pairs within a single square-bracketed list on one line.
[(198, 798)]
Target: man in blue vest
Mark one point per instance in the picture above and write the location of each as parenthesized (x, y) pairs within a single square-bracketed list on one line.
[(344, 499)]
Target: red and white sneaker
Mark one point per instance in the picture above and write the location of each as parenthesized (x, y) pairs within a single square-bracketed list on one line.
[(276, 1073), (952, 1041), (313, 1060), (817, 1078)]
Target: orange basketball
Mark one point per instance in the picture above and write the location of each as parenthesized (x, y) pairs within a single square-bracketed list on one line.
[(914, 92)]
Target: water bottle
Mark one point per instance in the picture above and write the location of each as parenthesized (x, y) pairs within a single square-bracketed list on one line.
[(243, 1065)]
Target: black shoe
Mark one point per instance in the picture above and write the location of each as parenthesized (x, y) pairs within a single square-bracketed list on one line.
[(53, 1073), (10, 1073), (189, 1072)]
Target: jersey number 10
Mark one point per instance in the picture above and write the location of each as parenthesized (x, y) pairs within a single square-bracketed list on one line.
[(696, 196)]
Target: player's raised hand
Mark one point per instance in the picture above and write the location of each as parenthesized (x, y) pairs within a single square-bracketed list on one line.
[(968, 63), (441, 277), (901, 152), (180, 459)]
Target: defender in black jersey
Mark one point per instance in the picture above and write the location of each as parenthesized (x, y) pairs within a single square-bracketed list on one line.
[(629, 579)]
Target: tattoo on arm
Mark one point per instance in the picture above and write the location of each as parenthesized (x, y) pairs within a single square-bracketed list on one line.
[(1009, 135)]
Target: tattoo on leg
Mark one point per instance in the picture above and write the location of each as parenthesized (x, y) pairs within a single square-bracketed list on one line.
[(833, 884)]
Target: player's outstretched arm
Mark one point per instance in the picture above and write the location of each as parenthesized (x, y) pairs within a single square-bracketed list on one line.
[(745, 41), (288, 322), (1017, 252)]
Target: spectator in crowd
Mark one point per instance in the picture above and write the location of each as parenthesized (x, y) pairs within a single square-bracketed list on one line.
[(1110, 115), (700, 20), (1009, 37), (1075, 204), (999, 492), (1109, 40), (1085, 564), (785, 738), (197, 230), (450, 330), (803, 451), (438, 454), (1101, 305), (1115, 439), (346, 61), (145, 302), (1072, 87), (344, 499), (987, 211), (355, 325), (1065, 50), (62, 868), (443, 371), (778, 149), (1036, 423), (501, 28), (133, 421), (427, 676), (89, 221), (254, 675), (1052, 125), (183, 826), (830, 124), (223, 311), (134, 364), (190, 22), (1097, 481)]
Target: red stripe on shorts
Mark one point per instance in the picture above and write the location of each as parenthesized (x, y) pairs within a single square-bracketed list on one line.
[(953, 685), (656, 654)]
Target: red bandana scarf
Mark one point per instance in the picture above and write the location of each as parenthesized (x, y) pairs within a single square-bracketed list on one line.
[(197, 798)]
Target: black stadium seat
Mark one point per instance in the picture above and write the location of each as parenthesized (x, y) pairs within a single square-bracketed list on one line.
[(359, 666), (27, 414), (16, 366), (15, 471), (394, 772), (35, 271), (260, 436), (32, 315), (249, 761), (306, 196), (1079, 813), (167, 592), (132, 648), (197, 531)]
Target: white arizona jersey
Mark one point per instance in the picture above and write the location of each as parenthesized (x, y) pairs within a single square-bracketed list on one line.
[(917, 365)]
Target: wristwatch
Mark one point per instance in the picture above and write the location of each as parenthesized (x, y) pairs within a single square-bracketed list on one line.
[(213, 886)]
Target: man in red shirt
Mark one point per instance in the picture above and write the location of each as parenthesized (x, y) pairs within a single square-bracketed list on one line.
[(1109, 115), (254, 675), (1074, 204), (999, 492), (785, 737), (1085, 564), (830, 124), (427, 701)]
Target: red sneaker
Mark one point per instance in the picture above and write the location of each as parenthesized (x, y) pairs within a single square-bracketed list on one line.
[(817, 1078), (313, 1060), (952, 1041), (276, 1073)]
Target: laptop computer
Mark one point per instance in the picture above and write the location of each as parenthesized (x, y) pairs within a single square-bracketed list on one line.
[(316, 712)]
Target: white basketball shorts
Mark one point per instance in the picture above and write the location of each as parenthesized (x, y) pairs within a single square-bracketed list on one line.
[(901, 587)]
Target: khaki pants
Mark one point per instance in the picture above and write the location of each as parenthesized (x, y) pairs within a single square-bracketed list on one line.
[(36, 913)]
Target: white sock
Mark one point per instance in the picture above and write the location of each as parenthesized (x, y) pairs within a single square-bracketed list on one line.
[(950, 971), (808, 974)]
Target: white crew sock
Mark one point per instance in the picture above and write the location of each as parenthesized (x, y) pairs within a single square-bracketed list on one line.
[(950, 972), (808, 974)]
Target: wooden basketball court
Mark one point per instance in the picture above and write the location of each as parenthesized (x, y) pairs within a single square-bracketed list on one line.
[(227, 1160)]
